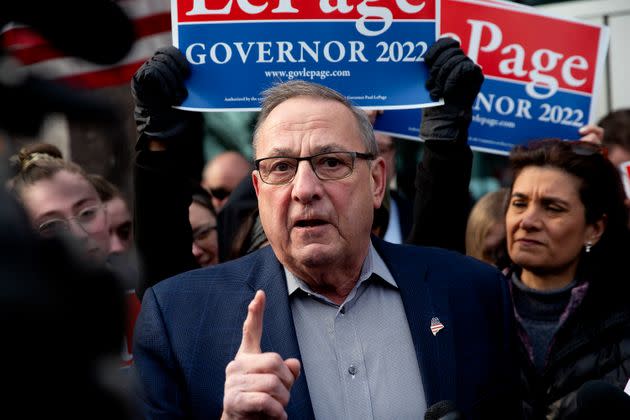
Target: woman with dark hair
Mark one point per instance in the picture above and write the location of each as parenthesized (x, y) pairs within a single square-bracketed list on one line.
[(569, 242), (203, 222)]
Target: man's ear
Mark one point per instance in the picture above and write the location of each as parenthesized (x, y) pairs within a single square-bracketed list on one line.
[(255, 181), (378, 179)]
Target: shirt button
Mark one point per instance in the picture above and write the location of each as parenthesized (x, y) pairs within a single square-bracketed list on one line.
[(352, 370)]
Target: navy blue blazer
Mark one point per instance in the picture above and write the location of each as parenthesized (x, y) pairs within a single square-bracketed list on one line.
[(190, 328)]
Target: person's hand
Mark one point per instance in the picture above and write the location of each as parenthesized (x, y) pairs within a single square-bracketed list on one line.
[(257, 384), (592, 133), (452, 75), (156, 87), (457, 79)]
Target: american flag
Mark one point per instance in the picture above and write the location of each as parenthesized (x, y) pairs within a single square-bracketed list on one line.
[(436, 325), (152, 23)]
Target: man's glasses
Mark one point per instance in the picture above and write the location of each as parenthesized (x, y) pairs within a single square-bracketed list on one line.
[(328, 166), (203, 232), (89, 219)]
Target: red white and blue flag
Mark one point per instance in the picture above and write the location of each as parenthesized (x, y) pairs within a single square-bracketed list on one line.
[(436, 325), (152, 25)]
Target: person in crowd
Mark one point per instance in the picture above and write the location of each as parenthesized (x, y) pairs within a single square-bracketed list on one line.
[(120, 221), (442, 198), (164, 152), (62, 320), (60, 199), (616, 135), (222, 174), (203, 222), (327, 321), (485, 230), (167, 173), (397, 218), (122, 257), (568, 239)]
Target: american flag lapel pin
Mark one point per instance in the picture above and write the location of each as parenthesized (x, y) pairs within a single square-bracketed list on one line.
[(436, 325)]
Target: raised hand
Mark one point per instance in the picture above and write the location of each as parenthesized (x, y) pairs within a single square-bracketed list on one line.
[(156, 87), (257, 384), (457, 79), (452, 75), (592, 133)]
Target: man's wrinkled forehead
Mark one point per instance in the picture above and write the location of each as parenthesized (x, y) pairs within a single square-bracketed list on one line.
[(306, 116)]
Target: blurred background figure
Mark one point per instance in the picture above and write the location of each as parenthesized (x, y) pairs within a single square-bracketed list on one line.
[(222, 174), (568, 238), (398, 209), (64, 208), (61, 200), (123, 258), (616, 136), (203, 221), (120, 222), (485, 230), (62, 313), (62, 323)]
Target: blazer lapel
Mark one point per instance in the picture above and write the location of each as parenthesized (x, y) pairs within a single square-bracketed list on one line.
[(423, 301), (278, 328)]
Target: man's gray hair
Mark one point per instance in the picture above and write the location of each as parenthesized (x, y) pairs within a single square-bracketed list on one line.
[(281, 92)]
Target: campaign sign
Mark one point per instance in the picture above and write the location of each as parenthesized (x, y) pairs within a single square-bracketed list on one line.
[(371, 51), (541, 72), (404, 123)]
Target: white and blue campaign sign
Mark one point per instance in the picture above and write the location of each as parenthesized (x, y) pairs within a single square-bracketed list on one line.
[(371, 51), (404, 123), (538, 83)]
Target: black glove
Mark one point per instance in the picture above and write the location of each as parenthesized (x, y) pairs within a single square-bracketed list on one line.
[(456, 78), (156, 87)]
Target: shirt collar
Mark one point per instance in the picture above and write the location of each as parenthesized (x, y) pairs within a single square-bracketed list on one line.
[(373, 264)]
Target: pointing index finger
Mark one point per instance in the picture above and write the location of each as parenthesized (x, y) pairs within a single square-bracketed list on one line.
[(253, 325)]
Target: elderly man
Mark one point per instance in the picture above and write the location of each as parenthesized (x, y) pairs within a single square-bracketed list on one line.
[(327, 322)]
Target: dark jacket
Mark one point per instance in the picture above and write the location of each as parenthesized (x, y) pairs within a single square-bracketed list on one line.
[(164, 183), (592, 342), (190, 328)]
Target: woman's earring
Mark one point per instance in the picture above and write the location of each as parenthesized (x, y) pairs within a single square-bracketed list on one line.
[(588, 246)]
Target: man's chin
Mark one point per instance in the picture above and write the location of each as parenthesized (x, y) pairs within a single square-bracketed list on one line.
[(316, 254)]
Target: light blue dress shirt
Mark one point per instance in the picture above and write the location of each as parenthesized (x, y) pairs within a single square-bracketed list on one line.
[(359, 356)]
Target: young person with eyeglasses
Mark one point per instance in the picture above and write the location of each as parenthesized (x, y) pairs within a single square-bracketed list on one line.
[(203, 221), (60, 200)]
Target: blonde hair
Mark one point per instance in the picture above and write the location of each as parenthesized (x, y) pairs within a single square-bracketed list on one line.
[(486, 213), (37, 162)]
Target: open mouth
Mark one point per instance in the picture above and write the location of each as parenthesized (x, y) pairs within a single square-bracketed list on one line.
[(309, 223)]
